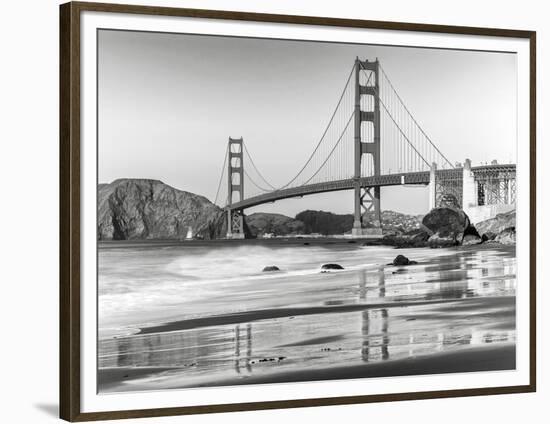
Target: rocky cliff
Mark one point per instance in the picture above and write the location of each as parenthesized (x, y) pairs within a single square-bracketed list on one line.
[(131, 209), (497, 224), (501, 228)]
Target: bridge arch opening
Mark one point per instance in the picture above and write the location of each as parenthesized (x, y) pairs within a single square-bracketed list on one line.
[(408, 200)]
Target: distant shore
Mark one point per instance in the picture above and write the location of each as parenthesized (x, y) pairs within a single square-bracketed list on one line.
[(307, 241)]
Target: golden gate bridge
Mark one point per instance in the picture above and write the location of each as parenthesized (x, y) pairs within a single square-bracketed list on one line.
[(371, 140)]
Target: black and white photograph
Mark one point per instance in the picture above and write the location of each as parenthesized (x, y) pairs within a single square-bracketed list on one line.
[(291, 211), (280, 211)]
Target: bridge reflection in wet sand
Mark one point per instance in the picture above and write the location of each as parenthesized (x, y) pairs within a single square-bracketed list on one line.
[(452, 303)]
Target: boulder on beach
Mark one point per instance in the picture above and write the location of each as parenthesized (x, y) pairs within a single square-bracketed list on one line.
[(270, 268), (401, 260), (507, 236), (471, 236), (488, 236), (437, 240), (446, 220), (497, 224), (330, 267), (471, 231), (414, 238), (447, 225), (471, 239), (500, 229)]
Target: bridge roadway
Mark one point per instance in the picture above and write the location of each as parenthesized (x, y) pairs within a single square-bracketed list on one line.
[(421, 177)]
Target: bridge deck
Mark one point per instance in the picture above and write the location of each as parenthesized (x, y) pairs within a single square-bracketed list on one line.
[(421, 177), (339, 185)]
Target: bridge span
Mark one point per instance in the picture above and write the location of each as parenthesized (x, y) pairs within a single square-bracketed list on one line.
[(495, 181), (372, 140), (422, 177)]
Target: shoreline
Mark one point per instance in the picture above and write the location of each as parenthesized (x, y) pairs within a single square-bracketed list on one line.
[(274, 313), (289, 241), (452, 312), (467, 359)]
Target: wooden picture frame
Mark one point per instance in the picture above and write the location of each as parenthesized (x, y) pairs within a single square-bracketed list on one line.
[(71, 214)]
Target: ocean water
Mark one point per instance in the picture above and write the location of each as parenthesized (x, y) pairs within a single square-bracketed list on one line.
[(299, 317)]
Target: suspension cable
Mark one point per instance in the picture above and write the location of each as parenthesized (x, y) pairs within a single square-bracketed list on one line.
[(324, 133), (334, 148), (396, 124), (412, 117), (257, 170), (225, 155), (254, 182)]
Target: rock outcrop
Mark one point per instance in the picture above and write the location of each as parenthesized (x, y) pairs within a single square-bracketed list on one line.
[(500, 229), (447, 225), (492, 227), (471, 239), (507, 236), (130, 209), (414, 238)]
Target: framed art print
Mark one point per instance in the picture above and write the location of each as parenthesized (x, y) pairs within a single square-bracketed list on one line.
[(273, 211)]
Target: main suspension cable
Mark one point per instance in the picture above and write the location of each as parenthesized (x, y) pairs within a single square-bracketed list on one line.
[(225, 155)]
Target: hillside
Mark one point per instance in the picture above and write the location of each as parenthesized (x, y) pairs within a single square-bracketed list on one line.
[(130, 209), (135, 209), (328, 223), (273, 223)]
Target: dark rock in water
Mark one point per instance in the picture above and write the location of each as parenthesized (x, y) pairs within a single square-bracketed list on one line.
[(507, 236), (402, 260), (270, 268), (328, 267), (471, 239)]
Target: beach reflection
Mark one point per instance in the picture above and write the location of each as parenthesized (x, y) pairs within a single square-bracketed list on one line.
[(367, 315)]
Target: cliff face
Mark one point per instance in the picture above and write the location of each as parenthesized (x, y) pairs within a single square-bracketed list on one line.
[(497, 224), (130, 209), (272, 223)]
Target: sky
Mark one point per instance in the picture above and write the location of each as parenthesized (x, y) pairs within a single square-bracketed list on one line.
[(167, 104)]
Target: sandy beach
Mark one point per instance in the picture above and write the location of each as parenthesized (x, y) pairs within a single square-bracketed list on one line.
[(492, 358), (453, 311)]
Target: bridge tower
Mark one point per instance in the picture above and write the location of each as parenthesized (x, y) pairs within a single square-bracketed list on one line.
[(367, 199), (235, 184)]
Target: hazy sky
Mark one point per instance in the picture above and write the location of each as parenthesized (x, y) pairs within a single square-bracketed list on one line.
[(169, 102)]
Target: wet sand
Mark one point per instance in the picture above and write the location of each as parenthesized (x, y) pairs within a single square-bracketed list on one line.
[(493, 358), (264, 314), (454, 311)]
